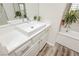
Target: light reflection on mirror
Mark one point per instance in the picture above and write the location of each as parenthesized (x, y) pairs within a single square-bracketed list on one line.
[(26, 10), (22, 9), (3, 16)]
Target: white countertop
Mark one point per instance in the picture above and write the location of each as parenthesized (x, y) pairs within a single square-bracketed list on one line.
[(12, 38)]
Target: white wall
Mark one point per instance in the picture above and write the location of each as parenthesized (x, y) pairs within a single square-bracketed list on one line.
[(52, 13), (9, 10), (32, 10)]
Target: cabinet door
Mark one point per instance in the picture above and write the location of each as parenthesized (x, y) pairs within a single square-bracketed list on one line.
[(43, 40), (35, 39), (20, 51), (42, 43), (41, 35), (33, 51)]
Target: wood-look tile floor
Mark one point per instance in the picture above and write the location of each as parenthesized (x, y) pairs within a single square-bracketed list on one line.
[(57, 50)]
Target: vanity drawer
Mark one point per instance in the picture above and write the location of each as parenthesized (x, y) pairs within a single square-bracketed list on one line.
[(33, 51), (43, 40), (40, 36), (42, 43), (38, 43), (20, 51)]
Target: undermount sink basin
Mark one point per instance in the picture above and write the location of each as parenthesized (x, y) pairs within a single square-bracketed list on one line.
[(31, 27)]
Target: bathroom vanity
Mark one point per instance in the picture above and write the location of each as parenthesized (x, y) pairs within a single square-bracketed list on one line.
[(23, 40)]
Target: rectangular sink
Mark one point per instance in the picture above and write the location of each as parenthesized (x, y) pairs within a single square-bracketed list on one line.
[(31, 27)]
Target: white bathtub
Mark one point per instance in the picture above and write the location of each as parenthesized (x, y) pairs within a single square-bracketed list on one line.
[(69, 39), (71, 33)]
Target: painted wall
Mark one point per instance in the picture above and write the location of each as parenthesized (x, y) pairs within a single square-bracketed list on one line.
[(52, 13), (9, 10)]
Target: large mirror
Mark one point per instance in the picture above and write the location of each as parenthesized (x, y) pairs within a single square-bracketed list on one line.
[(75, 26), (17, 11), (3, 16), (20, 10)]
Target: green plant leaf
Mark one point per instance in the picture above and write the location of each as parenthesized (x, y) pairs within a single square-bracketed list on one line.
[(70, 18)]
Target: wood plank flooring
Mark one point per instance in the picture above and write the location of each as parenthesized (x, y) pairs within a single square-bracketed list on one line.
[(57, 50)]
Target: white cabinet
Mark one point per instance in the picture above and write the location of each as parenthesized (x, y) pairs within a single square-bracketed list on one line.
[(23, 48), (33, 51), (32, 47), (42, 43), (43, 39), (38, 43)]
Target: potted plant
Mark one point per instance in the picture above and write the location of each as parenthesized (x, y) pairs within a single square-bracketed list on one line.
[(25, 16), (35, 17), (18, 14), (24, 19), (39, 18), (70, 17)]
